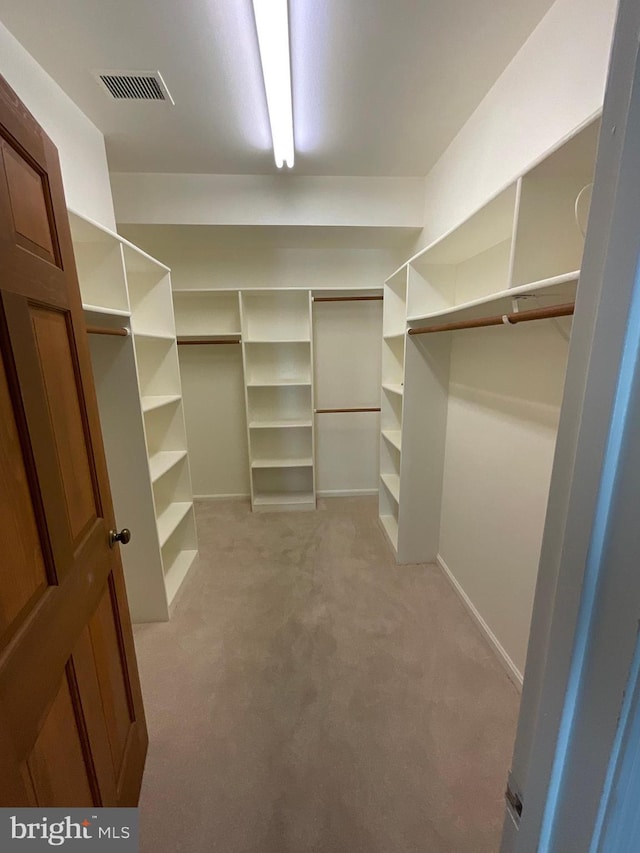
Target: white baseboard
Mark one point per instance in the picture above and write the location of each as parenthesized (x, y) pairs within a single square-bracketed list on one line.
[(222, 497), (512, 670), (346, 493)]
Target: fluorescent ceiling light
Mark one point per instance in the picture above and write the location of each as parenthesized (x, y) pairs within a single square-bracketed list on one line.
[(272, 24)]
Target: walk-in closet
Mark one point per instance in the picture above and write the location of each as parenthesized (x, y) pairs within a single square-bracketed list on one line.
[(330, 363)]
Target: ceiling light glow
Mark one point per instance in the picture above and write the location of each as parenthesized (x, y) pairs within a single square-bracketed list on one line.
[(272, 24)]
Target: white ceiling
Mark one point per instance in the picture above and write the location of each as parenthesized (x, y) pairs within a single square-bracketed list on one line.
[(380, 87)]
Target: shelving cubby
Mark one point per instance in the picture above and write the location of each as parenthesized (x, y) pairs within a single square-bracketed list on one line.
[(207, 313), (139, 398), (100, 266), (277, 350), (277, 315), (283, 407), (274, 364), (470, 262), (552, 214)]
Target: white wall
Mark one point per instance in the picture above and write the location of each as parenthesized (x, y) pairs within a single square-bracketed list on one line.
[(554, 84), (79, 142), (183, 199), (505, 393), (348, 365), (347, 352)]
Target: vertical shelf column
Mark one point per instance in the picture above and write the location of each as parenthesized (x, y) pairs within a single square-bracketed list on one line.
[(277, 352), (391, 404), (154, 336)]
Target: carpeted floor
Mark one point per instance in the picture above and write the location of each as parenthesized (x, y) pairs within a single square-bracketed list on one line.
[(309, 696)]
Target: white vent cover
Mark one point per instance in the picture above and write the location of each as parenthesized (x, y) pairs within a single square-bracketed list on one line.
[(134, 85)]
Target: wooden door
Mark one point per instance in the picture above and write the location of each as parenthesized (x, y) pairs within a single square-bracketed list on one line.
[(72, 727)]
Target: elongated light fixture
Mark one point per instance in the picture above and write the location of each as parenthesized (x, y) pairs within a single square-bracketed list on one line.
[(272, 24)]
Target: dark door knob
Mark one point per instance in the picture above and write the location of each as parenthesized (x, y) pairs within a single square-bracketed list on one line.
[(124, 536)]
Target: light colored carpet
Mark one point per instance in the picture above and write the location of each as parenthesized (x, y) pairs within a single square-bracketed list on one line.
[(309, 696)]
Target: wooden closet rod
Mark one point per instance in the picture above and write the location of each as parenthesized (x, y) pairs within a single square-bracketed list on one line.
[(347, 298), (500, 319), (104, 330), (193, 342), (337, 411)]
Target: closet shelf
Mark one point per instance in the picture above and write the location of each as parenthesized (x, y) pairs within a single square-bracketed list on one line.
[(302, 462), (299, 499), (556, 290), (154, 336), (177, 571), (169, 520), (292, 424), (154, 402), (394, 437), (392, 482), (394, 335), (280, 383), (393, 389), (100, 309), (231, 338), (390, 526), (161, 463), (277, 341)]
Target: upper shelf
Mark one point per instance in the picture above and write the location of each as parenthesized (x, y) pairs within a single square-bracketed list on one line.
[(107, 265), (552, 291), (491, 225)]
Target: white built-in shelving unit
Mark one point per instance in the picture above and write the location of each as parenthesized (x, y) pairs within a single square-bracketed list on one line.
[(277, 351), (275, 357), (521, 250), (139, 398)]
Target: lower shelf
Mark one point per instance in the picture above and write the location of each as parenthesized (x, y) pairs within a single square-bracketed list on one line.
[(390, 527), (169, 520), (392, 482), (176, 572), (284, 501), (155, 402), (300, 462)]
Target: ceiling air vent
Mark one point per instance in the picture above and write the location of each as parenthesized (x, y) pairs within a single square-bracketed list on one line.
[(134, 85)]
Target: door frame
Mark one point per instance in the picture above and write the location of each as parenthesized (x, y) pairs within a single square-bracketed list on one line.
[(585, 617)]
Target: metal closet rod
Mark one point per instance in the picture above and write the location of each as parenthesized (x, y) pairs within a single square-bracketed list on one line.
[(512, 319), (338, 411), (348, 298), (105, 330)]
